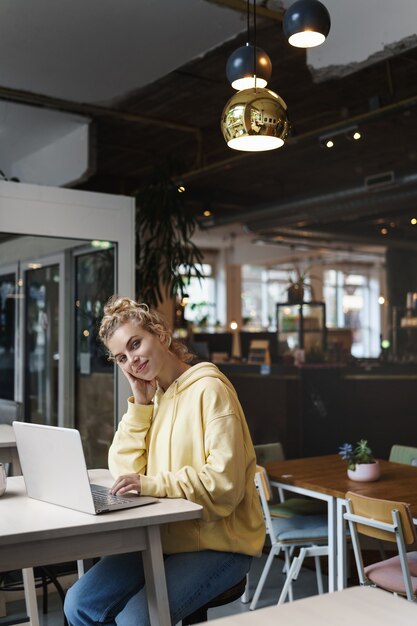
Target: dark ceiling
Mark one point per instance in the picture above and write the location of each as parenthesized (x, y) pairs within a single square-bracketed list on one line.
[(363, 191)]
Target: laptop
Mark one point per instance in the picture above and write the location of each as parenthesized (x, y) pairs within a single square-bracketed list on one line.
[(55, 471)]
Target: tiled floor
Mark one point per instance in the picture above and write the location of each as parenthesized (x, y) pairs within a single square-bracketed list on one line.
[(303, 587)]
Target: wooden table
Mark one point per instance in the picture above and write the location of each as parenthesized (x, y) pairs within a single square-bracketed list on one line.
[(36, 533), (357, 606), (325, 478), (8, 450)]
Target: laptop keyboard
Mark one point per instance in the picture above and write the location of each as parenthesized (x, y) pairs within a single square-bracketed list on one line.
[(102, 497)]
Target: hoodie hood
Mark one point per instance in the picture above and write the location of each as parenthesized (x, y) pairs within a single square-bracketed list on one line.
[(200, 370)]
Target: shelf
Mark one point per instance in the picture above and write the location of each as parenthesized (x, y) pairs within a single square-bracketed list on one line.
[(408, 322), (304, 324)]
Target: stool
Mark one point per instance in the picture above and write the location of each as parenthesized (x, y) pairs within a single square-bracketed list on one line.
[(230, 595)]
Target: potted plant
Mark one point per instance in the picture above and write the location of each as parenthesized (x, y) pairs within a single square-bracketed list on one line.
[(361, 464), (297, 285), (166, 256)]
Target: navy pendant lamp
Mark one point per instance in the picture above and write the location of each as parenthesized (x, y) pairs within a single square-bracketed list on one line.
[(240, 67), (248, 62), (306, 23)]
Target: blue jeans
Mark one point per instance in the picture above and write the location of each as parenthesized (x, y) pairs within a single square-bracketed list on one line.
[(113, 591)]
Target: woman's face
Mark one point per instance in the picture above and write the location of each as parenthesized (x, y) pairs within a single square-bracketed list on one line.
[(137, 351)]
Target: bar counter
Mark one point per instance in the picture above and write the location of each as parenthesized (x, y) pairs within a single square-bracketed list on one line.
[(315, 408)]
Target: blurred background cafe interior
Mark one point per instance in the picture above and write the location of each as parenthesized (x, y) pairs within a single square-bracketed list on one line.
[(293, 269)]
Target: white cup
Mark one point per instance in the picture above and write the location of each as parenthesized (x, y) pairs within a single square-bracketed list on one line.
[(3, 479)]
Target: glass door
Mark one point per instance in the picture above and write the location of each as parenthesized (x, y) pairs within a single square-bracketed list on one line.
[(94, 397), (41, 343)]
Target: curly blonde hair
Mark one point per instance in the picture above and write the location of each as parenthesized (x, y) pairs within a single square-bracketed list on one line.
[(120, 309)]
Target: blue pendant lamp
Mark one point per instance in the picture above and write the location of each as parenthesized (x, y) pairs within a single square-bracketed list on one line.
[(248, 61), (240, 70), (306, 23)]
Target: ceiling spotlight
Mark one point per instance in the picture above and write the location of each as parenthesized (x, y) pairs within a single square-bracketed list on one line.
[(326, 142), (329, 139), (249, 66), (181, 188), (255, 120), (207, 213), (306, 23), (353, 133), (413, 221)]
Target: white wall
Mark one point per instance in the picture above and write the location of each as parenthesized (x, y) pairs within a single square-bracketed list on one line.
[(55, 212)]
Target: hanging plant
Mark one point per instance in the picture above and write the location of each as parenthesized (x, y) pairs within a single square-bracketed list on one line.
[(166, 257)]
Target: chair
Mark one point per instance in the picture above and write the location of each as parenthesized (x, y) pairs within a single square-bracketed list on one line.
[(230, 595), (285, 507), (282, 507), (28, 579), (403, 454), (286, 533), (386, 520), (10, 411)]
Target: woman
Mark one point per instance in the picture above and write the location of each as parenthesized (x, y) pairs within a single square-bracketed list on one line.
[(184, 435)]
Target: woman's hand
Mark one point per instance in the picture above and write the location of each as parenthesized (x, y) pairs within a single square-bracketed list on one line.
[(142, 390), (123, 484)]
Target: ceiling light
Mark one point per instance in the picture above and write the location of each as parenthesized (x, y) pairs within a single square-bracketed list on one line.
[(207, 213), (326, 142), (240, 66), (413, 221), (306, 23), (255, 120), (249, 66), (350, 132), (353, 133)]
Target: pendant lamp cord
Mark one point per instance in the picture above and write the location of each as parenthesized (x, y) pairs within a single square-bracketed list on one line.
[(254, 43), (248, 20)]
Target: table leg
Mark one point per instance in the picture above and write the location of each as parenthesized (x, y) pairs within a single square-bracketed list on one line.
[(332, 529), (30, 596), (341, 546), (153, 562), (16, 469)]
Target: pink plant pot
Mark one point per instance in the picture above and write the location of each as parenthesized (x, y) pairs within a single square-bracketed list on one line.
[(365, 472)]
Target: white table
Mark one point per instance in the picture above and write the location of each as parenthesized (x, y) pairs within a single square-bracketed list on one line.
[(36, 533), (356, 606), (8, 450)]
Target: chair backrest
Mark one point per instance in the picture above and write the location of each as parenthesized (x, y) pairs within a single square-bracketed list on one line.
[(264, 491), (266, 452), (265, 482), (388, 520), (374, 516), (403, 454), (10, 411)]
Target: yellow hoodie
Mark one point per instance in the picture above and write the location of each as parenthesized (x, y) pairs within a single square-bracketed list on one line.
[(194, 443)]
